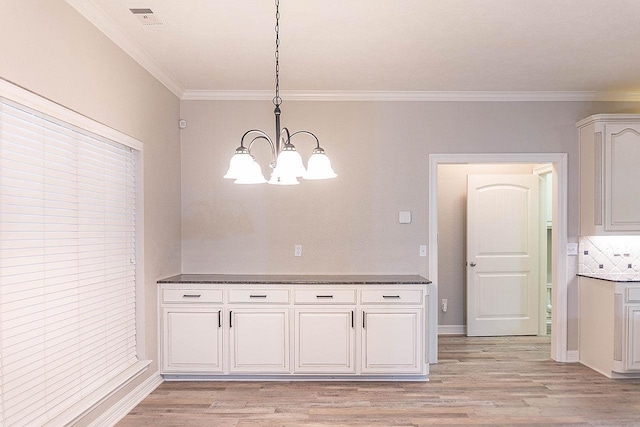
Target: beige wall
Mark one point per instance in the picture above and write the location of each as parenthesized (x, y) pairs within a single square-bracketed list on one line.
[(348, 225), (48, 48), (380, 151), (452, 226)]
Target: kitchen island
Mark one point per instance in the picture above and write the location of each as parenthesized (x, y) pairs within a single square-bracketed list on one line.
[(226, 326)]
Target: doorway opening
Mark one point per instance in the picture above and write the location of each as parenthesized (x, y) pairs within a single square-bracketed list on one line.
[(557, 170)]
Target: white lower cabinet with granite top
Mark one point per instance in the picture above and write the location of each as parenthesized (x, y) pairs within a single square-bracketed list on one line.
[(392, 330), (223, 331), (192, 338), (325, 331), (610, 327)]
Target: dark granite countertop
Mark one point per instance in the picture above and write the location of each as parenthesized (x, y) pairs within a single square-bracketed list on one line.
[(609, 279), (304, 279)]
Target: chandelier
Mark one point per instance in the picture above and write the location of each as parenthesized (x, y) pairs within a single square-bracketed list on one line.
[(286, 161)]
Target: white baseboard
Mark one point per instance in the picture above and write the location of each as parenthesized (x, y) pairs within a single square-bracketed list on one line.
[(573, 356), (452, 330), (127, 403)]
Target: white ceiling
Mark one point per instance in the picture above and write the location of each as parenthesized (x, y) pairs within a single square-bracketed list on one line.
[(327, 46)]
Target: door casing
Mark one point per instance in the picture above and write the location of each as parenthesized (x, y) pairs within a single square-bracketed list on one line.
[(559, 235)]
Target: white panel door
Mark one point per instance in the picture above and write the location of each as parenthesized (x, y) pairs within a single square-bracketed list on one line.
[(259, 340), (324, 340), (502, 255)]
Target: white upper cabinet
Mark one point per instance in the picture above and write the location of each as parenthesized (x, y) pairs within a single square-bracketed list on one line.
[(609, 174)]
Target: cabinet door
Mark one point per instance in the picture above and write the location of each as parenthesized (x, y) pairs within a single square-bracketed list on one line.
[(192, 340), (259, 340), (622, 174), (633, 338), (392, 341), (324, 340)]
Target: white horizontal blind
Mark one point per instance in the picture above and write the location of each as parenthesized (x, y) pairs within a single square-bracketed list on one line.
[(67, 264)]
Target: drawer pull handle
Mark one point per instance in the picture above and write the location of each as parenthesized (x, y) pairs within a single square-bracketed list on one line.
[(324, 296), (191, 296), (390, 296), (257, 296)]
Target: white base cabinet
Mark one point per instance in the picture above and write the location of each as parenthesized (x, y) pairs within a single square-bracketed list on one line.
[(392, 340), (325, 340), (220, 331), (192, 340), (610, 327), (632, 358), (259, 340)]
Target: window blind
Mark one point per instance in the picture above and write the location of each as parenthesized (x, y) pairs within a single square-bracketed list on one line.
[(67, 264)]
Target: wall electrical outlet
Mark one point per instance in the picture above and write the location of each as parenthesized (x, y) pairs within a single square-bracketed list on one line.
[(423, 250), (445, 305), (298, 250)]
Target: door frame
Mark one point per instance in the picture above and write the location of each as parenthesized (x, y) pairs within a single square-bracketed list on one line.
[(559, 236)]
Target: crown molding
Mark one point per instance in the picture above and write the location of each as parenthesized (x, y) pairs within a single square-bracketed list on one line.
[(89, 10), (433, 96)]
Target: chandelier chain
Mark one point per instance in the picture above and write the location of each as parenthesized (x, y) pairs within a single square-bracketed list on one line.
[(277, 100)]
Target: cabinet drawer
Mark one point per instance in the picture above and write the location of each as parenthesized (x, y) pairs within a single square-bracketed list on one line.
[(192, 295), (633, 294), (270, 296), (392, 296), (325, 296)]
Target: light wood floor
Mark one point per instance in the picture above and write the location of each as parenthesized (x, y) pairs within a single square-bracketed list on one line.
[(478, 381)]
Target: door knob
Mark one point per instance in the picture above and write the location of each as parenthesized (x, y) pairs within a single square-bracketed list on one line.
[(472, 264)]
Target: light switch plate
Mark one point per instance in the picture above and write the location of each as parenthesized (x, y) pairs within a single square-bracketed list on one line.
[(572, 249), (404, 217)]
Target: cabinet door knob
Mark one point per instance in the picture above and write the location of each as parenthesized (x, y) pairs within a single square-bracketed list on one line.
[(472, 264)]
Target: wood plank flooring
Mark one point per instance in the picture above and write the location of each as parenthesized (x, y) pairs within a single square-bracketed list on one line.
[(478, 381)]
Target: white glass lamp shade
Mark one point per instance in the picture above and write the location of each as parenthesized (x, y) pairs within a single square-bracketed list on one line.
[(283, 181), (252, 174), (239, 164), (289, 164), (319, 166)]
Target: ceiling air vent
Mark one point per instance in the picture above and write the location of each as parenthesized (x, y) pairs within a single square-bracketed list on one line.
[(147, 17)]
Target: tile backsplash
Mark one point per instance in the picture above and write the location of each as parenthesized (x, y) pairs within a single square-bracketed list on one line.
[(610, 257)]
